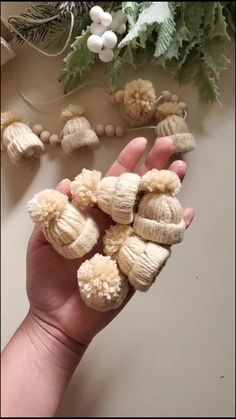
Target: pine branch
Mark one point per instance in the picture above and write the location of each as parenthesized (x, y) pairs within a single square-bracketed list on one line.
[(35, 32)]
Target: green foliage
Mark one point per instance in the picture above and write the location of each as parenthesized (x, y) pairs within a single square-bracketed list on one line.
[(186, 38), (77, 62), (113, 71)]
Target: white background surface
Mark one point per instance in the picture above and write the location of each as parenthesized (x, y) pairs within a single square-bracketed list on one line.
[(164, 355)]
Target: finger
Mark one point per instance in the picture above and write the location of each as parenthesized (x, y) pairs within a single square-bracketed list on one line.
[(128, 158), (64, 187), (37, 238), (159, 155), (189, 215), (179, 167)]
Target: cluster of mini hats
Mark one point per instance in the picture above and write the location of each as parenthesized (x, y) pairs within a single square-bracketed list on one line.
[(148, 217), (139, 106)]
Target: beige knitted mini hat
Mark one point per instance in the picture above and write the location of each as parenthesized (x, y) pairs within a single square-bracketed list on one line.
[(77, 132), (175, 127), (160, 216), (139, 260), (102, 287), (116, 196), (71, 235), (21, 144)]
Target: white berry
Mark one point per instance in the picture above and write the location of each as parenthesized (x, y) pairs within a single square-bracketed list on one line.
[(114, 24), (106, 55), (121, 28), (97, 29), (109, 39), (96, 13), (106, 19), (121, 16), (94, 43)]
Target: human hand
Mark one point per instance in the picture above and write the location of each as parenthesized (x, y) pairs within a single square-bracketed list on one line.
[(55, 303)]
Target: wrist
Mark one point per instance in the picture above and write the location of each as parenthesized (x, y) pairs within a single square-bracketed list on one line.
[(51, 346)]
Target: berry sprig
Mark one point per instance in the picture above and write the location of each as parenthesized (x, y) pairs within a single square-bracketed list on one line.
[(101, 41)]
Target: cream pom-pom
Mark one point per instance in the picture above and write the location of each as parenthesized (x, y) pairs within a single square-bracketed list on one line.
[(46, 206), (84, 188), (102, 287), (166, 109), (8, 118), (139, 101), (115, 237), (71, 111), (164, 181)]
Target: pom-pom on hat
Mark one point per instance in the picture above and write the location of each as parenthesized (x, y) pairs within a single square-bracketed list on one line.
[(116, 196), (77, 132), (139, 102), (139, 260), (102, 287), (63, 226), (21, 144), (164, 181)]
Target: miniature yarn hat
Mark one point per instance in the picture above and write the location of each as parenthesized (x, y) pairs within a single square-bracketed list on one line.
[(70, 233), (77, 132), (21, 144), (116, 196), (170, 112), (102, 287), (139, 102), (139, 260), (160, 216)]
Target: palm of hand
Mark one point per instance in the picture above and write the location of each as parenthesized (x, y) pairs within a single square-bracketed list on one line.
[(51, 279)]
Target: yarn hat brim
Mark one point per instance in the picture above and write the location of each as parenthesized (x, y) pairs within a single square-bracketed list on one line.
[(125, 198), (25, 150), (82, 138), (159, 232), (148, 266), (184, 142), (83, 244)]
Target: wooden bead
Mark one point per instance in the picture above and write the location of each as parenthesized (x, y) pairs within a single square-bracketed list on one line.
[(37, 129), (100, 130), (120, 131), (119, 96), (166, 94), (44, 136), (109, 130), (54, 140), (182, 105), (174, 98)]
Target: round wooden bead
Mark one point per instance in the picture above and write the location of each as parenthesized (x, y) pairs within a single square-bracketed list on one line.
[(174, 98), (166, 94), (44, 136), (119, 96), (54, 140), (182, 105), (109, 130), (120, 131), (37, 129), (100, 130)]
